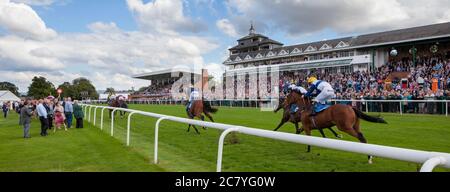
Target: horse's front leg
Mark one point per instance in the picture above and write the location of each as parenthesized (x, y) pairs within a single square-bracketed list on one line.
[(203, 119), (308, 132)]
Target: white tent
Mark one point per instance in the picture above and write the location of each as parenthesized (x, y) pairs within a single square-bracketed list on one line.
[(6, 96)]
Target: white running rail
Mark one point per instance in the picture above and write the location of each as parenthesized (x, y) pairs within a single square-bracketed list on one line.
[(429, 159)]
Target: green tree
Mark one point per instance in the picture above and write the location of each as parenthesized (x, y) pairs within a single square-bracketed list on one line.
[(67, 90), (83, 86), (40, 88), (110, 91), (10, 87)]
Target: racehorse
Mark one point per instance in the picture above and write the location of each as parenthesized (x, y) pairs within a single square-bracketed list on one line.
[(295, 119), (118, 104), (345, 117), (198, 108)]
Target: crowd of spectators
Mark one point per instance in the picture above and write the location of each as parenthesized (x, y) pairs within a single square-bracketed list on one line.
[(52, 113)]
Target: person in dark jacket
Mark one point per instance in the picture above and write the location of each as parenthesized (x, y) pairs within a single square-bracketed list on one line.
[(78, 114), (5, 109), (26, 112)]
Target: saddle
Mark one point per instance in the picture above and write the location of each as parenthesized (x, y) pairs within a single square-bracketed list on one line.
[(318, 107)]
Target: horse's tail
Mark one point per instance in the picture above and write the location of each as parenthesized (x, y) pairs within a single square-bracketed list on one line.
[(207, 107), (368, 118)]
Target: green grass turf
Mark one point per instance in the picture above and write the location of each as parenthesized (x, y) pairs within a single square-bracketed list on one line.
[(77, 150), (182, 151)]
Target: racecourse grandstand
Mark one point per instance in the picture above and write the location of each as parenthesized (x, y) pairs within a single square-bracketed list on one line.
[(411, 63), (162, 82), (391, 64)]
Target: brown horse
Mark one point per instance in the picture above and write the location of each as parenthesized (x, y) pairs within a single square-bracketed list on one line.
[(346, 118), (118, 104), (295, 119), (199, 108)]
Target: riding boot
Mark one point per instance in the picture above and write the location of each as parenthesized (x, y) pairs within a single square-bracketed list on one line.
[(313, 113)]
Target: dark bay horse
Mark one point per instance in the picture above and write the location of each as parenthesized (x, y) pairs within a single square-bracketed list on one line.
[(344, 117), (295, 119), (118, 104), (199, 108)]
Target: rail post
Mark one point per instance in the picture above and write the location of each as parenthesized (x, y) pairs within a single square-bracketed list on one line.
[(129, 127), (367, 107), (220, 149), (101, 118), (112, 122), (85, 110), (446, 108), (95, 114), (401, 107), (89, 117), (431, 163), (155, 160)]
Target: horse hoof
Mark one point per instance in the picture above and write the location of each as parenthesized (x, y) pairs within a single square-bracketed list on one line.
[(340, 136), (370, 162), (205, 128)]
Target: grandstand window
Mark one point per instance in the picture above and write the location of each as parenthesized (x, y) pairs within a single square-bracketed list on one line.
[(342, 44), (283, 52), (325, 47), (296, 50), (310, 48)]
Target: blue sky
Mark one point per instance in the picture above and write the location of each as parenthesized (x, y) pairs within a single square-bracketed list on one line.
[(107, 41)]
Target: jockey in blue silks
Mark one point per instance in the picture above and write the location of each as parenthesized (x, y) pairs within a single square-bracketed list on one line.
[(299, 89), (194, 96), (323, 92)]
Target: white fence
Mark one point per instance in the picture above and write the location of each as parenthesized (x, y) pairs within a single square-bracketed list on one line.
[(429, 159)]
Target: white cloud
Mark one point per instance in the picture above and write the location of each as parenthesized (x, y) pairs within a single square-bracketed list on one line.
[(22, 20), (36, 2), (163, 16), (299, 17), (227, 27), (100, 27), (107, 55)]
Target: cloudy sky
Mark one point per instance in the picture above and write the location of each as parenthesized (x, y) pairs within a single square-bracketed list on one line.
[(107, 41)]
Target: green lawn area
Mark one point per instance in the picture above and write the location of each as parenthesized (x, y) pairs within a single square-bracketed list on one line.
[(90, 149), (77, 150)]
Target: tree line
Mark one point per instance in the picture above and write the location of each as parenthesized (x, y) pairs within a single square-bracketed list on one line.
[(40, 87)]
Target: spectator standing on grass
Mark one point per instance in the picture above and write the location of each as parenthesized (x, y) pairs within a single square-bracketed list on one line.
[(42, 114), (68, 111), (78, 114), (26, 112), (59, 116), (5, 109)]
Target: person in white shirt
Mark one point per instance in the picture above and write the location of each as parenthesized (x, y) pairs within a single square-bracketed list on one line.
[(323, 92), (194, 96), (42, 113)]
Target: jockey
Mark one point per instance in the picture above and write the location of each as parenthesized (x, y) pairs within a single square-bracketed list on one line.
[(323, 92), (194, 96), (298, 89)]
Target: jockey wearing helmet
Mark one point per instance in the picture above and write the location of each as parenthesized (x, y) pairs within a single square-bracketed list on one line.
[(323, 92), (194, 96)]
